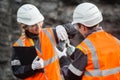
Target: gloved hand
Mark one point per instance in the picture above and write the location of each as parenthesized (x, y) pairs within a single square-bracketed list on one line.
[(61, 33), (71, 31), (70, 48), (37, 63), (60, 54)]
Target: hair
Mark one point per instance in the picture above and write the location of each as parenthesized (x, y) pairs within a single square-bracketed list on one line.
[(23, 26), (89, 28)]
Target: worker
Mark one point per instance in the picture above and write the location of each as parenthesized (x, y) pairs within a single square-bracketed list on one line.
[(97, 57), (45, 65)]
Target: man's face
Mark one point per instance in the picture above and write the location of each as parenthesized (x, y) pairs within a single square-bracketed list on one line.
[(35, 29)]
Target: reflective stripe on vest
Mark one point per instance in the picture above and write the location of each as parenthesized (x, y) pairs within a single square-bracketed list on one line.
[(48, 34), (47, 62), (38, 47), (93, 52), (20, 42), (97, 71), (75, 70), (102, 72), (51, 60)]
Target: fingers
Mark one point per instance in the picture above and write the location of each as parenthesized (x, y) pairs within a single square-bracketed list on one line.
[(61, 32), (37, 64), (64, 36)]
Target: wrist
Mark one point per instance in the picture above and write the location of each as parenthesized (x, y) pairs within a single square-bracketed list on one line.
[(70, 50)]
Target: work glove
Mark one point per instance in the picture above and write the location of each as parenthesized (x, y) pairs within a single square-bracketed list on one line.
[(71, 31), (61, 53), (37, 63), (61, 45), (70, 48), (61, 33)]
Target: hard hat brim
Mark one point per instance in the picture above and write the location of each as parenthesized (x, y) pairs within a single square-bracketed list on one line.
[(30, 22)]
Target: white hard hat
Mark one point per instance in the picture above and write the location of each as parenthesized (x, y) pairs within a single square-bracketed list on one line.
[(87, 14), (28, 14)]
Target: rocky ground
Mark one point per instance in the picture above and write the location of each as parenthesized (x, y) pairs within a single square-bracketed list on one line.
[(55, 12)]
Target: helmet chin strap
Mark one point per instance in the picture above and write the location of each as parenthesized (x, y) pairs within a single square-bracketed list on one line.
[(31, 35)]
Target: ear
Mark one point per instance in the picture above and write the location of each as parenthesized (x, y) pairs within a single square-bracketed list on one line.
[(84, 28)]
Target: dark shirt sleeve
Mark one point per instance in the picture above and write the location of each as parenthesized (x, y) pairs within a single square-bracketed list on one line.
[(55, 35), (75, 69), (20, 70)]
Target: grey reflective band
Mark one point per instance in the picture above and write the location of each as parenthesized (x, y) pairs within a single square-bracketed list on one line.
[(20, 42), (47, 62), (38, 45), (102, 72), (75, 70), (51, 39), (93, 53)]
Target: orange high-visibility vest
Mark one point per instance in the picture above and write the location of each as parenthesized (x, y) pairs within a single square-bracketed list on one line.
[(48, 54), (103, 52)]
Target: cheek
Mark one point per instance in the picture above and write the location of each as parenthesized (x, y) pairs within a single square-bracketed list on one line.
[(30, 30), (37, 29)]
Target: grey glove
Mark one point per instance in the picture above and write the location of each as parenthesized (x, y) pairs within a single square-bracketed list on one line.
[(70, 48), (37, 63)]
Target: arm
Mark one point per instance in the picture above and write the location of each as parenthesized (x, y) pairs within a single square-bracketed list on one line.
[(19, 70), (75, 69)]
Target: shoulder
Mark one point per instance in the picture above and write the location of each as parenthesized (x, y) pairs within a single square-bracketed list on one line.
[(82, 48), (19, 40)]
